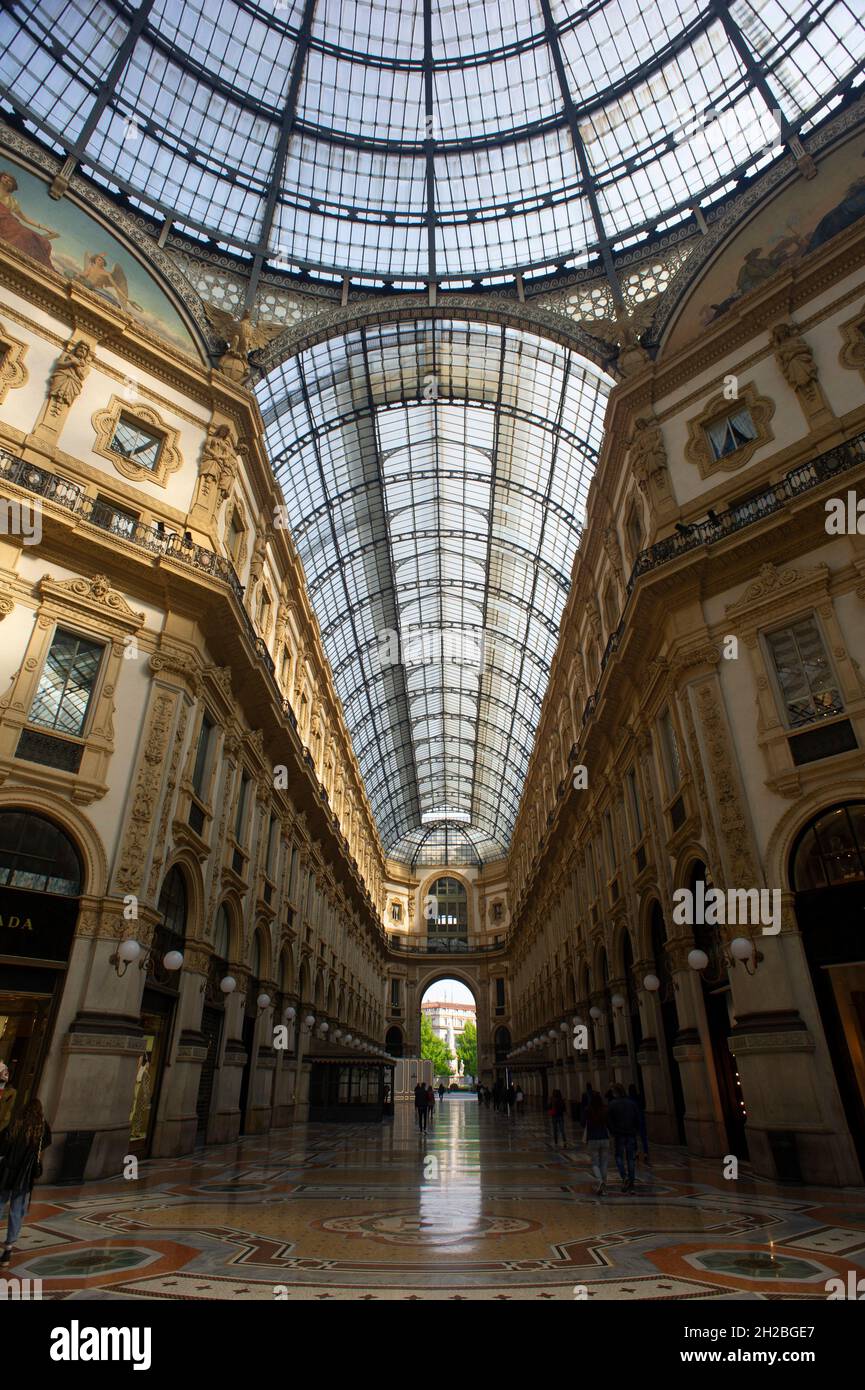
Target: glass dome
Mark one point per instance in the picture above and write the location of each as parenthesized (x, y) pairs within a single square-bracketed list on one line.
[(404, 142)]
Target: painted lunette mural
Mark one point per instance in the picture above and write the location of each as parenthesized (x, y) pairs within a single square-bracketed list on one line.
[(63, 238), (798, 221)]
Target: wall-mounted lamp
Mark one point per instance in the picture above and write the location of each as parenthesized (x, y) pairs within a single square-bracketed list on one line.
[(228, 984), (131, 951)]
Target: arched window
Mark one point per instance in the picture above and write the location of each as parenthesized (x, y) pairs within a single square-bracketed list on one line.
[(830, 852), (37, 856), (450, 916), (172, 904), (222, 935)]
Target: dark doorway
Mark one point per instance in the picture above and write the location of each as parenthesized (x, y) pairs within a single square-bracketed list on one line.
[(827, 871), (719, 1024)]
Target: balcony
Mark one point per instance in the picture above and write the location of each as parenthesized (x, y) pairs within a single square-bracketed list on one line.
[(440, 946)]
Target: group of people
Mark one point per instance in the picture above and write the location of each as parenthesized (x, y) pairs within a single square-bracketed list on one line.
[(425, 1103), (507, 1099), (619, 1117)]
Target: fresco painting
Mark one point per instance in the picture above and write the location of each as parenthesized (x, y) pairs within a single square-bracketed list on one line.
[(803, 218), (63, 238)]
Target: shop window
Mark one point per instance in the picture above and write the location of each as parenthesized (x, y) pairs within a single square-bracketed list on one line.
[(805, 681), (66, 685)]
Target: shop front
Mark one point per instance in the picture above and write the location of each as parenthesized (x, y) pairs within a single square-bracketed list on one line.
[(40, 883)]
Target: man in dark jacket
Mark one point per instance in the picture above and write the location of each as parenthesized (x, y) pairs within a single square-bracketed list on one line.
[(420, 1104), (623, 1122)]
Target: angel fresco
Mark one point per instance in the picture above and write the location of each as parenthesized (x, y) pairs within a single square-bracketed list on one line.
[(19, 230), (112, 283)]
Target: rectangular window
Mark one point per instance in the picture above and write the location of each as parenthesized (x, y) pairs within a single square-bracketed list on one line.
[(634, 796), (730, 433), (500, 993), (590, 865), (806, 681), (394, 994), (292, 876), (136, 443), (241, 808), (67, 683), (272, 846), (200, 770), (670, 747), (609, 837)]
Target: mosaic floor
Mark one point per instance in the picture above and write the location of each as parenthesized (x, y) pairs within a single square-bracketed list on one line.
[(483, 1207)]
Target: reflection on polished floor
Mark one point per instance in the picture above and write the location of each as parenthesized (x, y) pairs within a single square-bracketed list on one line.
[(363, 1212)]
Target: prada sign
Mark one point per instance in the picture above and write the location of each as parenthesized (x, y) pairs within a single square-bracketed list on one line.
[(37, 926)]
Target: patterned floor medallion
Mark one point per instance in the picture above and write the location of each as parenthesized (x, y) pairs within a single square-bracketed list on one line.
[(482, 1207)]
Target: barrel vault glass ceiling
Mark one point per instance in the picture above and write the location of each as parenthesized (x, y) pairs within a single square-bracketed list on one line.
[(435, 475), (410, 141)]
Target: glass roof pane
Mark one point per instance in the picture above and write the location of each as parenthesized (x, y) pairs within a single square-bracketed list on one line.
[(440, 559), (339, 137)]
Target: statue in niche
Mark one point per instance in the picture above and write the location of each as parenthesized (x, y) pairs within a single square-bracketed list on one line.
[(218, 467), (648, 451), (613, 551), (69, 375)]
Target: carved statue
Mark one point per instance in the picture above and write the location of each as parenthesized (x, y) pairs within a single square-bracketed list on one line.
[(794, 357), (611, 546), (648, 452), (69, 376), (241, 337)]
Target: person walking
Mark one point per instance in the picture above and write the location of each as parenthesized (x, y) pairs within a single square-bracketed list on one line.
[(21, 1147), (597, 1138), (511, 1099), (430, 1104), (441, 1092), (644, 1134), (520, 1101), (586, 1101), (623, 1121), (420, 1104), (557, 1115)]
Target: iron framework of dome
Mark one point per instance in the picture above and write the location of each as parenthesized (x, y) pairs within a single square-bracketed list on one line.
[(435, 475), (420, 141)]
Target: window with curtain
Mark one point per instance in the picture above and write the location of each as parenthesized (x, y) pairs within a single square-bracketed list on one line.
[(730, 433)]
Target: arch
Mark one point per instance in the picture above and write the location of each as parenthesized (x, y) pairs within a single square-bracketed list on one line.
[(394, 1041), (173, 901), (437, 973), (688, 855), (186, 862), (261, 935), (285, 968), (229, 907), (336, 322), (75, 825), (38, 854), (796, 819)]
